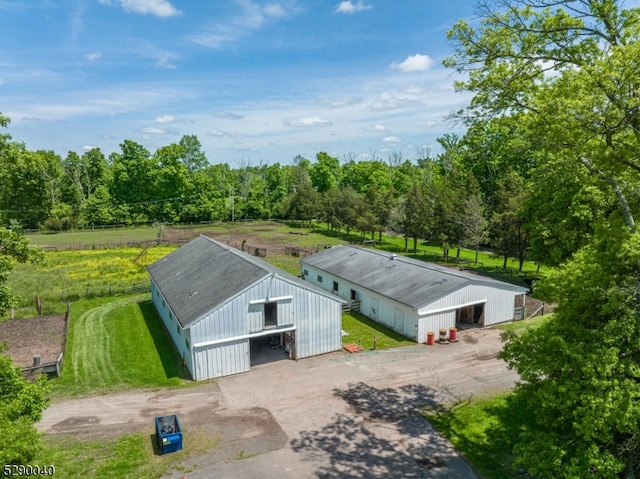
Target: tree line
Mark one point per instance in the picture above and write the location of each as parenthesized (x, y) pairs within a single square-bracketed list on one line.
[(487, 188)]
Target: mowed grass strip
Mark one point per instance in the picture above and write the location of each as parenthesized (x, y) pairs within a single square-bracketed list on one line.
[(117, 345), (362, 330)]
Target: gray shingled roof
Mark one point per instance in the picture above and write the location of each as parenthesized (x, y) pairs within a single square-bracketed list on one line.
[(405, 280), (201, 275)]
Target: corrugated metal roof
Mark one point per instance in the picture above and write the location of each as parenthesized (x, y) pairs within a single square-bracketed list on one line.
[(405, 280), (203, 274)]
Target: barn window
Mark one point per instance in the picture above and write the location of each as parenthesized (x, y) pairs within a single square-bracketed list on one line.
[(335, 286), (178, 329), (319, 279), (305, 272), (188, 344), (270, 315)]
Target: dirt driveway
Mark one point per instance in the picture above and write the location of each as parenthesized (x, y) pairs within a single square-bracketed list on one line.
[(332, 416)]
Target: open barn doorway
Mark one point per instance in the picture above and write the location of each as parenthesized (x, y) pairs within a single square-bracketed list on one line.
[(471, 315), (272, 347)]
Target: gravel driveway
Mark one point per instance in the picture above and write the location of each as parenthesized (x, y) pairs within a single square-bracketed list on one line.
[(333, 416)]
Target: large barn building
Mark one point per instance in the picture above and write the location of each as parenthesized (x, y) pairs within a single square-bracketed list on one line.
[(215, 301), (410, 296)]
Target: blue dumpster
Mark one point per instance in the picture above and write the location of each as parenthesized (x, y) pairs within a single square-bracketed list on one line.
[(168, 433)]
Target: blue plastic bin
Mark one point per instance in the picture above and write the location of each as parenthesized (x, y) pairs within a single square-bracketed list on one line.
[(168, 433)]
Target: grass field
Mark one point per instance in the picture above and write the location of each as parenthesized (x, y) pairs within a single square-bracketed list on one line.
[(128, 456), (114, 345), (483, 430), (74, 275)]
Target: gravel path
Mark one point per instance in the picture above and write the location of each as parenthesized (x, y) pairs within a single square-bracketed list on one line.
[(333, 416)]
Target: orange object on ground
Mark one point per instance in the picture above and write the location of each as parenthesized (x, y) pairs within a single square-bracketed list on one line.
[(431, 339), (352, 348), (453, 334)]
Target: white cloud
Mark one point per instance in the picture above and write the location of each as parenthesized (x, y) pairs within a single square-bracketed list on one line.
[(150, 130), (252, 18), (414, 63), (350, 7), (377, 127), (166, 119), (217, 133), (387, 101), (93, 56), (310, 121), (88, 147), (391, 139), (165, 63), (340, 102), (159, 8), (414, 90), (225, 134), (228, 115)]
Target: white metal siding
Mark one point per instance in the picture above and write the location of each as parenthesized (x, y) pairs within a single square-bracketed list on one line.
[(222, 359), (434, 323), (171, 324), (319, 325), (374, 306), (499, 302), (318, 321)]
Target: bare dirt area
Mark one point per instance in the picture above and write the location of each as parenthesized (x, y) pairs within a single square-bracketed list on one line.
[(42, 335), (262, 235)]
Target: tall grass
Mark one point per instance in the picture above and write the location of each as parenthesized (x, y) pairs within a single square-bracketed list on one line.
[(74, 275)]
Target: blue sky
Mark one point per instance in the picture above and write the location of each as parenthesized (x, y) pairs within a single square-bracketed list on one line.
[(256, 81)]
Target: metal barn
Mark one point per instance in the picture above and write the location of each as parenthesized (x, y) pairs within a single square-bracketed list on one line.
[(410, 296), (215, 301)]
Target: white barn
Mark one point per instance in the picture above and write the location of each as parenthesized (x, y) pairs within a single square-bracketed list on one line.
[(410, 296), (214, 300)]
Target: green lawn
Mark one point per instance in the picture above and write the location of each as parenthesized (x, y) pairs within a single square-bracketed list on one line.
[(530, 323), (362, 330), (115, 345), (483, 430), (127, 456), (75, 238)]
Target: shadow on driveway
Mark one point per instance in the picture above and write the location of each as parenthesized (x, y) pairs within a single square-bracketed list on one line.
[(384, 437)]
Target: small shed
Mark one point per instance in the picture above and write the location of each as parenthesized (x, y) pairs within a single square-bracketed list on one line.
[(214, 300), (410, 296)]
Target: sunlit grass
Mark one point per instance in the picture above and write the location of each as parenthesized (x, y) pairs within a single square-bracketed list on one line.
[(117, 345), (484, 431), (362, 330)]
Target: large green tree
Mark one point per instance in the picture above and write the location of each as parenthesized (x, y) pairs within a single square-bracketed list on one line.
[(580, 373), (571, 67), (569, 71)]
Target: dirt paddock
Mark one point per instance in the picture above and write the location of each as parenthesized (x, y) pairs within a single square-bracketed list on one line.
[(42, 335)]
